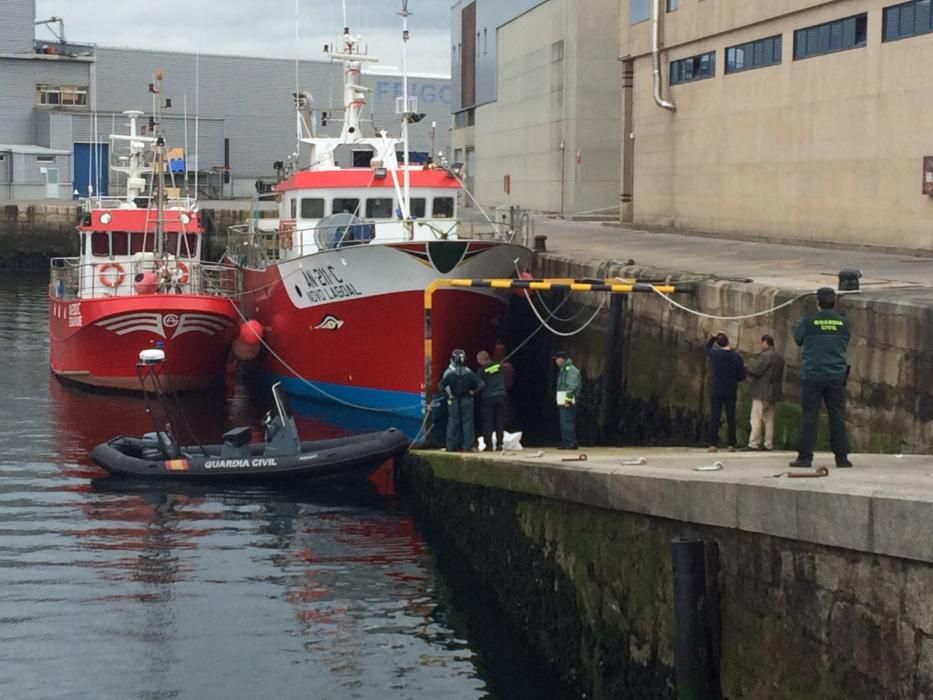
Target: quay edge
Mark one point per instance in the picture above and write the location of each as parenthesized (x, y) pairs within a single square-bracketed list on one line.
[(826, 586)]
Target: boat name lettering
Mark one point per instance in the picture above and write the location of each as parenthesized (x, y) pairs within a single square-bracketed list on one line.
[(240, 463), (324, 284)]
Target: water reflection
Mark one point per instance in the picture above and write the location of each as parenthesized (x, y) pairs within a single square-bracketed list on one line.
[(121, 589)]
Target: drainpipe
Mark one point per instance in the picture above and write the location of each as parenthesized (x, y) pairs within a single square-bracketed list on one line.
[(656, 56)]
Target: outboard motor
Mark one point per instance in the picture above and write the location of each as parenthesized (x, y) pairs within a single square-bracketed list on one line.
[(281, 431)]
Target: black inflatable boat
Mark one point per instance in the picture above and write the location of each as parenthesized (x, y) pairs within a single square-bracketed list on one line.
[(282, 454), (315, 459)]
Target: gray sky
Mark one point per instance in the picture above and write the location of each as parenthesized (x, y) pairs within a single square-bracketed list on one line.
[(264, 28)]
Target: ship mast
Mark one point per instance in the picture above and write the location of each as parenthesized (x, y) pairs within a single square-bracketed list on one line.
[(406, 114), (156, 89)]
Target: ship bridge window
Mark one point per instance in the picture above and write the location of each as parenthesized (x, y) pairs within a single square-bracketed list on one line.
[(418, 207), (380, 208), (312, 208), (345, 204), (188, 243), (442, 208), (142, 243), (100, 244), (119, 243)]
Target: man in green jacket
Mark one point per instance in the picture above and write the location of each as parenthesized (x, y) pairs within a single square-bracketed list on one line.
[(823, 338), (568, 391)]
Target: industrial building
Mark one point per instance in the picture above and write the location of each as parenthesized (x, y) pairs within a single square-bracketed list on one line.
[(61, 100), (800, 120), (536, 95)]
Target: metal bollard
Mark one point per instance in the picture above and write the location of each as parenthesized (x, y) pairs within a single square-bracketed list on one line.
[(691, 631), (540, 243)]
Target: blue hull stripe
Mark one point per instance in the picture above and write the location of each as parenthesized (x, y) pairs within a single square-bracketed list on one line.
[(400, 403)]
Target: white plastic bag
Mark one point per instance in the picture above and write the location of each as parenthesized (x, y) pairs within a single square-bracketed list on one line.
[(512, 441)]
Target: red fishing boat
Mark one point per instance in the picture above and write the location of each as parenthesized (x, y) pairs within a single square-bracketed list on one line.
[(139, 282), (337, 282)]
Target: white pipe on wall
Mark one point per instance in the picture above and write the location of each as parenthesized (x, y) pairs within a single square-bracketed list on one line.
[(656, 56)]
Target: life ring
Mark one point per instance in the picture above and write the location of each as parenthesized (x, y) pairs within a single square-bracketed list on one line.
[(106, 280), (184, 272)]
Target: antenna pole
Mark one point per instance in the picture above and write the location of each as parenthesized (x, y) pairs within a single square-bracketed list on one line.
[(197, 114), (405, 113), (185, 102), (297, 91)]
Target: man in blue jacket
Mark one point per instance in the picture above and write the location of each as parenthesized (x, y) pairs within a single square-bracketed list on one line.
[(726, 370), (823, 338)]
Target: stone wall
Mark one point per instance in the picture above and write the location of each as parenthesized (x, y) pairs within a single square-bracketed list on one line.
[(590, 588), (890, 405), (30, 234)]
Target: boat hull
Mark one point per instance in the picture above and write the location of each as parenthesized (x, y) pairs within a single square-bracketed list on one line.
[(348, 325), (318, 459), (96, 342)]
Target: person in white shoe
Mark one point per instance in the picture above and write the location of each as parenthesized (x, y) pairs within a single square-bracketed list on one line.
[(766, 380)]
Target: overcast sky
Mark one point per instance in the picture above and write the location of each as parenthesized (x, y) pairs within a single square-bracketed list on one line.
[(258, 28)]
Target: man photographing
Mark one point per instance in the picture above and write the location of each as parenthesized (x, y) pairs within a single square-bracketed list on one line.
[(823, 338)]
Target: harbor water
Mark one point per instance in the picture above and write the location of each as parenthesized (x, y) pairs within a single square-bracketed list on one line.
[(214, 591)]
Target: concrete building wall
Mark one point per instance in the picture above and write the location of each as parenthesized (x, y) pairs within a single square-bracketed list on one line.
[(252, 99), (553, 129), (827, 148), (489, 16), (16, 27)]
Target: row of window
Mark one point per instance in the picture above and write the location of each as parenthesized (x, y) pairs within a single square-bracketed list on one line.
[(106, 244), (55, 95), (900, 21), (374, 207)]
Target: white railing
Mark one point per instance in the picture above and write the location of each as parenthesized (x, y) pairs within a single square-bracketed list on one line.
[(72, 279), (253, 247)]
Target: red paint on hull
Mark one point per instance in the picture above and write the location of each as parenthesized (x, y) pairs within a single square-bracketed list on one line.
[(380, 344), (97, 341)]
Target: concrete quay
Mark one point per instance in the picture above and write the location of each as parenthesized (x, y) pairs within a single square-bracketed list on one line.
[(825, 584), (657, 364)]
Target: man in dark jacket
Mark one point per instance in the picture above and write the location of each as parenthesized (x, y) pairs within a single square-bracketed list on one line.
[(492, 403), (459, 385), (726, 371), (766, 377), (823, 338)]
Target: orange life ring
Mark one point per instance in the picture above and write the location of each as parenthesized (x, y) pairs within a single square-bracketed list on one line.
[(105, 278), (184, 272)]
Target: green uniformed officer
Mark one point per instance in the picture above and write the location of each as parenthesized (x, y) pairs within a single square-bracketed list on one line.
[(823, 338), (459, 385), (568, 392)]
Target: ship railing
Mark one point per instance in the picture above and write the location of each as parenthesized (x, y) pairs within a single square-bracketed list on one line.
[(252, 246), (183, 203), (72, 279)]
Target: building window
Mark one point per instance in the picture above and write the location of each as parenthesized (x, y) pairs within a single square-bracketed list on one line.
[(672, 5), (379, 208), (907, 19), (485, 41), (557, 51), (464, 119), (45, 159), (849, 33), (312, 208), (66, 95), (694, 68), (754, 54), (638, 11)]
